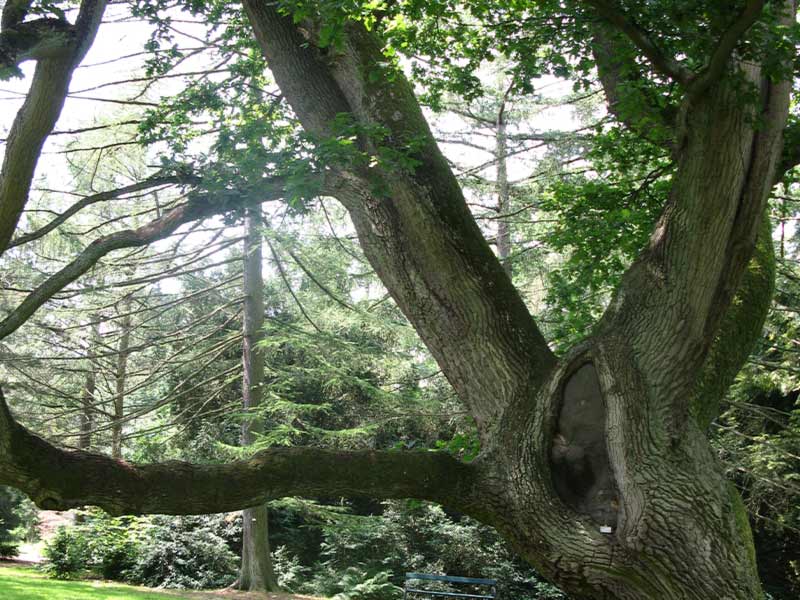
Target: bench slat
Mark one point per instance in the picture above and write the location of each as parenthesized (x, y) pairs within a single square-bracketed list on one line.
[(448, 594), (451, 578)]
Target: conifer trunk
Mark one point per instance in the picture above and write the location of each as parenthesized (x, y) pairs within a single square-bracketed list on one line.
[(121, 379), (503, 192), (86, 418), (256, 572)]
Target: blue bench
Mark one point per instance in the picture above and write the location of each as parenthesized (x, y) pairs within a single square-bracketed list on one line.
[(418, 590)]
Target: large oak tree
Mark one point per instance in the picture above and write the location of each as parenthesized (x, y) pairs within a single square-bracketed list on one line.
[(594, 464)]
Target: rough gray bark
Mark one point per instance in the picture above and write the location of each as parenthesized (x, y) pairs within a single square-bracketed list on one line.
[(256, 573), (665, 492)]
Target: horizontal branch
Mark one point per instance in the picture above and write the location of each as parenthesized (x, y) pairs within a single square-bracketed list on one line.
[(198, 207), (57, 479)]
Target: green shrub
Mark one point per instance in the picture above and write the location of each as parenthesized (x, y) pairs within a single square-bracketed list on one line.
[(9, 549), (117, 561), (174, 552), (113, 543), (186, 552), (67, 553), (290, 573), (357, 584)]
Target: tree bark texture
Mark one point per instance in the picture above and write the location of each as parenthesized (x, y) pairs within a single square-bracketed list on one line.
[(256, 573), (608, 439)]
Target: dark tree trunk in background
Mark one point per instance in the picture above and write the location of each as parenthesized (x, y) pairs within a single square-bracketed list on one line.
[(503, 192), (88, 401), (121, 378), (256, 572)]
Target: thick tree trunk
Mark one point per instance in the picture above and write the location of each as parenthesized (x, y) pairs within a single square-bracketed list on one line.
[(606, 439), (590, 457), (43, 103), (256, 572)]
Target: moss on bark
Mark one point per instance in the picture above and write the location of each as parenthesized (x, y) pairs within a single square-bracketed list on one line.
[(739, 331)]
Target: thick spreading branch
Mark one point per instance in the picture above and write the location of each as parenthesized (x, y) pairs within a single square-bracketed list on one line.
[(14, 12), (33, 40), (57, 479), (628, 94), (199, 207), (626, 88), (412, 221), (672, 301)]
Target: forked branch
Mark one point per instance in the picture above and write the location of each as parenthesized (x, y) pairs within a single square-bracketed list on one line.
[(725, 47), (627, 92), (696, 83), (642, 40)]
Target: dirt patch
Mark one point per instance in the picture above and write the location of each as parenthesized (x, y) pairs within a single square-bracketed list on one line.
[(51, 520), (16, 563)]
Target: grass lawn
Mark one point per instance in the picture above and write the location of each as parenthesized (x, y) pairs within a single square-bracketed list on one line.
[(26, 583)]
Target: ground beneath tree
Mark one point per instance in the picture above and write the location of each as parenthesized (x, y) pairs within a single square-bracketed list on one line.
[(21, 581)]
